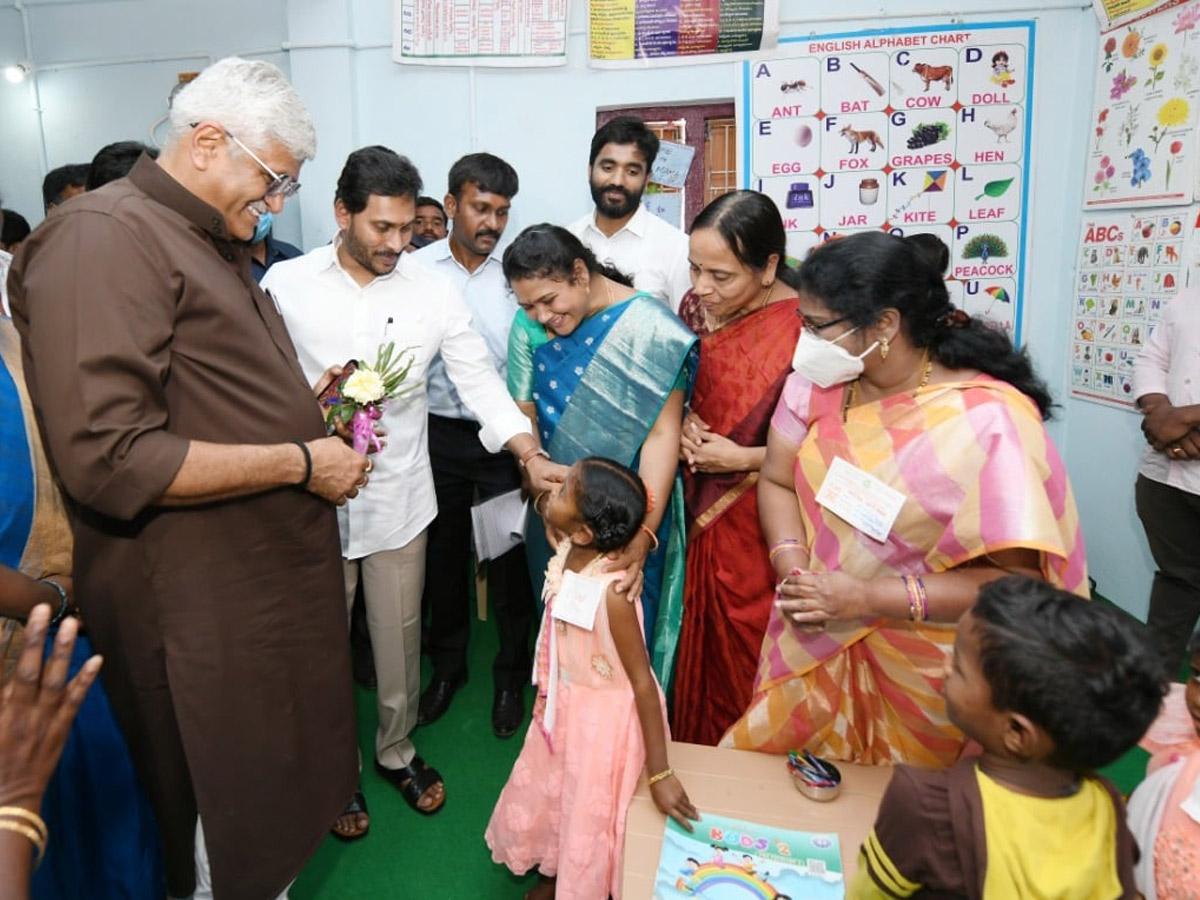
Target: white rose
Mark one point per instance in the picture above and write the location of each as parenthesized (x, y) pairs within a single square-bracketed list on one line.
[(363, 386)]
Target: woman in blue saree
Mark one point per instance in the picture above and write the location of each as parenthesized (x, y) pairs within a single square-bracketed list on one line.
[(606, 371), (103, 838)]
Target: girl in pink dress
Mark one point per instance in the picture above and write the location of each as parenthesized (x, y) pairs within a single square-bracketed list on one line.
[(599, 716), (1164, 811)]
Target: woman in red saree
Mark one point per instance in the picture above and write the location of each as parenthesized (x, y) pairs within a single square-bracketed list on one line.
[(745, 312)]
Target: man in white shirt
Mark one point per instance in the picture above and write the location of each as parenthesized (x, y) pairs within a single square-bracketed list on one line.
[(478, 201), (343, 301), (1166, 382), (620, 231)]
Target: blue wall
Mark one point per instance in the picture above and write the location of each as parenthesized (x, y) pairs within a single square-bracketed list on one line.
[(338, 54)]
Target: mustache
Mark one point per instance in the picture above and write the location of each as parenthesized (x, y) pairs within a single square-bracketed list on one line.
[(624, 192), (487, 232)]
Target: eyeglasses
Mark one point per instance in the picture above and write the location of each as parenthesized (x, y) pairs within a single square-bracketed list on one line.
[(817, 329), (281, 185)]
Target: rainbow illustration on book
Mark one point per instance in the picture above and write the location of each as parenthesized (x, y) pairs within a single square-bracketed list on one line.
[(725, 859)]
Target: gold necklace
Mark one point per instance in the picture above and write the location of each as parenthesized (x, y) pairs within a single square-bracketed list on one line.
[(852, 391), (928, 365), (714, 324)]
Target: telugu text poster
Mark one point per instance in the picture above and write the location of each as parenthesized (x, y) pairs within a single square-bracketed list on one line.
[(505, 33), (628, 33)]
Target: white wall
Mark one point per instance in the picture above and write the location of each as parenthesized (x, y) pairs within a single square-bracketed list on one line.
[(338, 54), (104, 70)]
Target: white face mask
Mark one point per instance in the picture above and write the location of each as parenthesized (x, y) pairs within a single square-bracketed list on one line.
[(825, 363)]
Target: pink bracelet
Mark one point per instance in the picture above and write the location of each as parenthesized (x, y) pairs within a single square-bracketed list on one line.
[(653, 537)]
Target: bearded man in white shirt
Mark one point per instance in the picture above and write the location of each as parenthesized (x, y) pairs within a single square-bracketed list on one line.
[(342, 302), (620, 231)]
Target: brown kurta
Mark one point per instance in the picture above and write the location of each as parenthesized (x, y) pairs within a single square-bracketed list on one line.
[(219, 623)]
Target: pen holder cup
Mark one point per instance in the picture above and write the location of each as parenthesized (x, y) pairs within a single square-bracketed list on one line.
[(818, 791)]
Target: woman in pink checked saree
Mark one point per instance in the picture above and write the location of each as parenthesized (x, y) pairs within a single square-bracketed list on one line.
[(922, 404)]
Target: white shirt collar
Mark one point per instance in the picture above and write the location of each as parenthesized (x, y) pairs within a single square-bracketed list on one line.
[(636, 225), (441, 250), (334, 262)]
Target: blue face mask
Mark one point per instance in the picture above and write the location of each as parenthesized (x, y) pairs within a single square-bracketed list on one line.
[(265, 220)]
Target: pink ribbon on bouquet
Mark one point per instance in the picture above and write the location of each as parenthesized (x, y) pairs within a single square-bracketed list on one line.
[(362, 428)]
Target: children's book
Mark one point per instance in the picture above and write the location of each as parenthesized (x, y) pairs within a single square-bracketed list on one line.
[(725, 859)]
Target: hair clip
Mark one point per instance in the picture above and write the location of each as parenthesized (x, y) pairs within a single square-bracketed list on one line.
[(955, 318)]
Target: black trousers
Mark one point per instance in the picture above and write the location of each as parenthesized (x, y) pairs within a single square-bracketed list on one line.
[(464, 472), (1171, 518)]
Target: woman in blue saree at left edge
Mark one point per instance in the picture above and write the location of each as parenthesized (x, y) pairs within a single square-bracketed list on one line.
[(605, 370), (104, 841)]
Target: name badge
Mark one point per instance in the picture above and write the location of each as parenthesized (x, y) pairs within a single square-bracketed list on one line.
[(860, 499), (578, 599)]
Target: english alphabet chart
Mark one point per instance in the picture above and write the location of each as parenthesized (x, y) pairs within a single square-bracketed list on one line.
[(906, 130), (1130, 266)]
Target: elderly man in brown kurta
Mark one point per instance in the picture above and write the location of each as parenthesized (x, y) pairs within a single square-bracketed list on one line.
[(192, 450)]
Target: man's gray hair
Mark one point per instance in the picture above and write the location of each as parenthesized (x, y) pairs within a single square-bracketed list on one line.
[(253, 100)]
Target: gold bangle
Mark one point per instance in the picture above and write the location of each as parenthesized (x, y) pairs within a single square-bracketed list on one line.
[(19, 812), (34, 837), (655, 779)]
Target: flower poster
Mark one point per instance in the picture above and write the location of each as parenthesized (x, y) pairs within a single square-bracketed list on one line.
[(909, 130), (725, 859), (1130, 266), (1144, 117)]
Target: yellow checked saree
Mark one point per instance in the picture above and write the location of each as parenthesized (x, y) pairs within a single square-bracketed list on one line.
[(980, 475)]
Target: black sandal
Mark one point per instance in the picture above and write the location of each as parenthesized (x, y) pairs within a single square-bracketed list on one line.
[(356, 806), (413, 781)]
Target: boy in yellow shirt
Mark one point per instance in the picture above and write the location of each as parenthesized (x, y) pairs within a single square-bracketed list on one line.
[(1052, 687)]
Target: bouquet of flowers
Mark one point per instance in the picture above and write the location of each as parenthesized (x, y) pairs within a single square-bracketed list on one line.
[(361, 394)]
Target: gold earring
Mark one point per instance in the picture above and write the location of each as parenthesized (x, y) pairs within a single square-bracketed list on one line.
[(883, 348)]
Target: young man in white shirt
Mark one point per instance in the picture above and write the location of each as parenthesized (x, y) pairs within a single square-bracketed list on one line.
[(478, 200), (342, 302), (620, 231)]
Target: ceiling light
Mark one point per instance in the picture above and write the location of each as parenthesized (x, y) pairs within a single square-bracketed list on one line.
[(17, 72)]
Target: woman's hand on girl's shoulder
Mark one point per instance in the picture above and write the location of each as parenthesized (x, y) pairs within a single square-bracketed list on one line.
[(631, 558), (672, 800)]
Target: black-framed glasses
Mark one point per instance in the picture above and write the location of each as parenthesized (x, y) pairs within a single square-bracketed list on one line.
[(281, 185), (817, 329)]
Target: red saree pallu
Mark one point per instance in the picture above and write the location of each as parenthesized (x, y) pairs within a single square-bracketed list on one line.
[(730, 585)]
